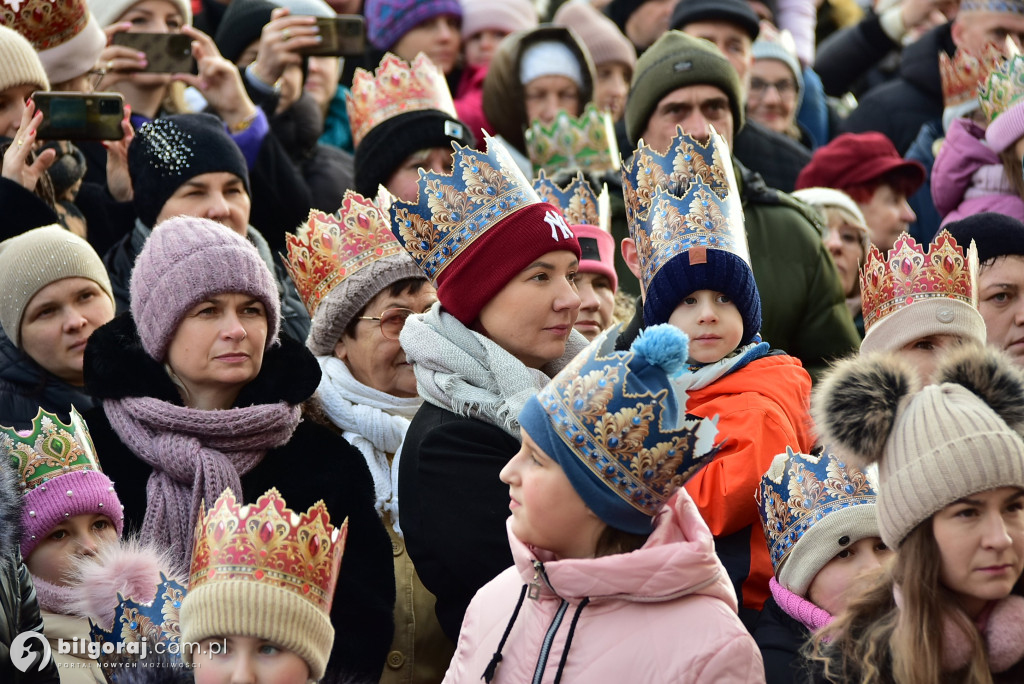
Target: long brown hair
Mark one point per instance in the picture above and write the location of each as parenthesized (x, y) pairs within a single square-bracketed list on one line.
[(876, 641), (1012, 170)]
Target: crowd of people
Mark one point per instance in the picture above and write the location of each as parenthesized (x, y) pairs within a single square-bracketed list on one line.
[(654, 340)]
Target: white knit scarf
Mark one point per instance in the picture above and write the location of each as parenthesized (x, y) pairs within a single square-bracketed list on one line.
[(373, 422), (469, 374)]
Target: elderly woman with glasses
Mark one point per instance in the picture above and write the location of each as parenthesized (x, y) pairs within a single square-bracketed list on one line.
[(360, 286)]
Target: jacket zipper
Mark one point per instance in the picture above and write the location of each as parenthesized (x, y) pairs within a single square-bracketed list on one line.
[(556, 622)]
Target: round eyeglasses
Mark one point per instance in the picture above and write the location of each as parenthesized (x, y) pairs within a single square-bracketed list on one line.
[(391, 321)]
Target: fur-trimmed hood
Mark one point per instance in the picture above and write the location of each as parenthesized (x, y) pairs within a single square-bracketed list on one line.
[(10, 514), (117, 366)]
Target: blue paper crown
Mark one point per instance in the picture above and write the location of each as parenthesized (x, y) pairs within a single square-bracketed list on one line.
[(620, 416), (799, 490), (454, 210), (682, 200), (577, 201), (156, 621)]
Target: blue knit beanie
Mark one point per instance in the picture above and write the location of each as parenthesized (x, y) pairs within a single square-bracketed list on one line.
[(618, 427)]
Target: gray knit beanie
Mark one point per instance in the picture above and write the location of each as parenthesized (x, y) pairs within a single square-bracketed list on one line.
[(31, 261), (185, 260), (957, 437), (677, 60), (21, 63)]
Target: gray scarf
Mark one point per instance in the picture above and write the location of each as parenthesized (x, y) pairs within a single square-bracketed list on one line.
[(468, 374)]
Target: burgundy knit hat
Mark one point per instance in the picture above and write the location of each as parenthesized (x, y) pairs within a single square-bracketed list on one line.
[(185, 260), (857, 159), (481, 270)]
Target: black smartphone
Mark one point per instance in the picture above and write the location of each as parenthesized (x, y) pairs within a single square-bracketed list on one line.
[(166, 53), (342, 36), (79, 116)]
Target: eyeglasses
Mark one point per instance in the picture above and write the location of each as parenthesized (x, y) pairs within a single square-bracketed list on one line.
[(95, 78), (784, 87), (391, 321)]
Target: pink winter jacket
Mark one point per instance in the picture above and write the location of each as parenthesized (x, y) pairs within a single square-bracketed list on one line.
[(968, 178), (663, 613)]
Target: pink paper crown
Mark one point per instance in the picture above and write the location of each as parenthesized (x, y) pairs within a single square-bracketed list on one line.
[(964, 74)]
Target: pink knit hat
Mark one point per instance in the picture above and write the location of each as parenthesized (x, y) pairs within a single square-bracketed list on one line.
[(58, 474), (185, 260), (602, 38), (500, 15)]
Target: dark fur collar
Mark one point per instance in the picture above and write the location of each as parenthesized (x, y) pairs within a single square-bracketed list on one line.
[(10, 513), (117, 366)]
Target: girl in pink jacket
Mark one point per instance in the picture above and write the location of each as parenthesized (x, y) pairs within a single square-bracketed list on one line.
[(615, 577)]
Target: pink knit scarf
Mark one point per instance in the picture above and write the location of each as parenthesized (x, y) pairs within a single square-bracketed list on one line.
[(800, 609), (195, 455)]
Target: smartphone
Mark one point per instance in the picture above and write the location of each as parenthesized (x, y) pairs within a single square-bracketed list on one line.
[(343, 36), (166, 53), (79, 116)]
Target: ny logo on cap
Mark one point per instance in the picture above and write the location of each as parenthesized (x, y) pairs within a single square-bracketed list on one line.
[(555, 220)]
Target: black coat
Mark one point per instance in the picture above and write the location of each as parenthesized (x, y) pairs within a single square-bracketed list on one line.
[(449, 468), (900, 107), (23, 210), (25, 386), (844, 58), (316, 464), (780, 639), (19, 610), (777, 158)]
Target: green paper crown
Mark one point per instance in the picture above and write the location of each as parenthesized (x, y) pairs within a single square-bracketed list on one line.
[(1003, 88), (49, 449), (585, 144)]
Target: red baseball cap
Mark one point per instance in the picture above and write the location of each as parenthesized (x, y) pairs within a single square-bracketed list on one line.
[(857, 159)]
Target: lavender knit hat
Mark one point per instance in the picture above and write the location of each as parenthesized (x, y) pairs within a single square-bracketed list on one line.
[(185, 260), (388, 20)]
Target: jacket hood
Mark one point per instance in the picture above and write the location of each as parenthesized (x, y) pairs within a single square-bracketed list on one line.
[(677, 560), (504, 104), (117, 366), (919, 62), (964, 153)]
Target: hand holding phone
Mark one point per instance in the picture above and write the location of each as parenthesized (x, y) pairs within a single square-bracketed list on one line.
[(340, 36), (166, 53), (79, 116)]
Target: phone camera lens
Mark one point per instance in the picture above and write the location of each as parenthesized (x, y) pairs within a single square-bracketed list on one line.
[(110, 107)]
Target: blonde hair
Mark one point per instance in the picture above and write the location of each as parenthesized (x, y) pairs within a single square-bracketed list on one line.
[(875, 640)]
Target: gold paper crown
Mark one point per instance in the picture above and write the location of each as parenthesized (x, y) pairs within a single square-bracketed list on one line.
[(267, 542), (576, 201), (328, 248), (585, 144), (911, 275), (49, 449), (395, 88), (45, 23), (682, 200), (963, 75), (452, 211), (1005, 84)]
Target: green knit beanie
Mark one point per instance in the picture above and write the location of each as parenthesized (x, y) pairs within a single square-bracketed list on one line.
[(677, 60)]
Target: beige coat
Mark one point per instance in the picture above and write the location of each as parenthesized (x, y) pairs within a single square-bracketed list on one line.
[(73, 669)]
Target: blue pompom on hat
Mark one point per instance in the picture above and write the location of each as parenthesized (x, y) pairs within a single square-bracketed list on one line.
[(617, 426)]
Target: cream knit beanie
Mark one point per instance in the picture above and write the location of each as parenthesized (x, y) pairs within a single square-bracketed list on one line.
[(21, 63), (107, 12), (31, 261), (934, 445)]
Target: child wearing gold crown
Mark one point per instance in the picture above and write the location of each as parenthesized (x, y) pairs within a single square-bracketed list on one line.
[(611, 556), (687, 224), (71, 522), (262, 581)]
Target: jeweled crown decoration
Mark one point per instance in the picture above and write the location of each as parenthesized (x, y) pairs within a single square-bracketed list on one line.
[(267, 542), (45, 23), (587, 143), (800, 490), (682, 200), (1004, 86), (395, 88), (49, 449), (963, 75), (328, 248), (638, 442), (577, 201), (452, 211), (156, 620), (911, 274)]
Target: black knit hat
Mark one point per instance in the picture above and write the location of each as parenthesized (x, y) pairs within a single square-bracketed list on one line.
[(392, 141), (738, 12), (619, 11), (241, 26), (995, 234), (168, 152)]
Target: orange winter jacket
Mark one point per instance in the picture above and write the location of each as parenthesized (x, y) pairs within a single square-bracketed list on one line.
[(762, 408)]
